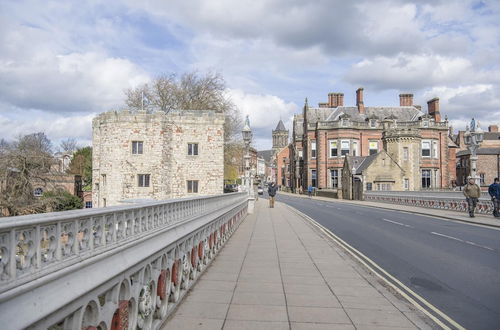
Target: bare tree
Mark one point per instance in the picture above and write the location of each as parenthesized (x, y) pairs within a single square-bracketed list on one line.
[(191, 91), (69, 144), (26, 160)]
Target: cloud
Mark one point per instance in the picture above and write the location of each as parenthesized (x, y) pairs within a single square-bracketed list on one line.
[(410, 72), (264, 112), (56, 126)]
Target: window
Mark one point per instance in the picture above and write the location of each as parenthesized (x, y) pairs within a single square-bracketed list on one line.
[(426, 178), (406, 184), (88, 205), (103, 179), (345, 122), (192, 186), (104, 202), (426, 148), (333, 149), (426, 123), (334, 175), (369, 186), (137, 147), (193, 149), (481, 179), (300, 154), (354, 148), (313, 178), (384, 186), (344, 147), (435, 153), (373, 123), (313, 149), (143, 180), (373, 147), (405, 153), (38, 192)]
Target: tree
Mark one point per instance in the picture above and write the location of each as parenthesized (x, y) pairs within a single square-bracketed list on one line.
[(23, 161), (69, 144), (61, 200), (81, 164), (190, 91)]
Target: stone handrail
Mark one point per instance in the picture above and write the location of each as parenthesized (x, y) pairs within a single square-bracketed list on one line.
[(111, 267), (452, 203)]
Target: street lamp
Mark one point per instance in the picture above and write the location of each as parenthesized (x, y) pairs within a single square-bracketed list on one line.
[(353, 171), (473, 138), (246, 132)]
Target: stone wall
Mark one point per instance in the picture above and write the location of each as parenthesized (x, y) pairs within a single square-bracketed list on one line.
[(165, 156)]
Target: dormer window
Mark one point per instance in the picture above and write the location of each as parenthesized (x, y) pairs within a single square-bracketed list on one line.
[(373, 123), (425, 123), (345, 122)]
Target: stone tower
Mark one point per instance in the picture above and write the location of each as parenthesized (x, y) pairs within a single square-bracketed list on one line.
[(403, 146), (280, 137)]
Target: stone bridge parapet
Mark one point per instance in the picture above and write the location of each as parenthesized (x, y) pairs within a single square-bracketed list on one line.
[(110, 268), (453, 202)]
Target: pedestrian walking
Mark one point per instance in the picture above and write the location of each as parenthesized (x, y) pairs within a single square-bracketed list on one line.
[(472, 193), (271, 190), (494, 191), (310, 191)]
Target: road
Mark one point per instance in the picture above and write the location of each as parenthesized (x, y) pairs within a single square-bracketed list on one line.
[(454, 266)]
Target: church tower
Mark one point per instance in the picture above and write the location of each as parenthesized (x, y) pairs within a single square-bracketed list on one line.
[(280, 137)]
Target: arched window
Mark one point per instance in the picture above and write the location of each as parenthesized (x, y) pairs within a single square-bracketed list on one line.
[(38, 192)]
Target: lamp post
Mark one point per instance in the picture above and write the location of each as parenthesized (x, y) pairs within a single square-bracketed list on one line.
[(473, 138), (353, 172), (248, 184)]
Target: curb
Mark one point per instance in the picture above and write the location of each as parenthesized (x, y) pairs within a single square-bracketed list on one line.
[(494, 226)]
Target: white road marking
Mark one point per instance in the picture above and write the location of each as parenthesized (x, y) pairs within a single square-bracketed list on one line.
[(450, 237), (481, 246), (397, 223), (466, 242)]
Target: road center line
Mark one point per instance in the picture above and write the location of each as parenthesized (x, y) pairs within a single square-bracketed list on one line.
[(481, 246), (397, 223), (450, 237)]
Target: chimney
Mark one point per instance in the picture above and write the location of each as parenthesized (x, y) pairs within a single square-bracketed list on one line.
[(433, 108), (335, 100), (405, 100), (359, 100), (493, 128), (323, 105)]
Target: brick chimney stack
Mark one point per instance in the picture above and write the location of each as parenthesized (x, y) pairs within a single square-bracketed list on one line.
[(405, 100), (359, 100), (335, 100), (433, 108), (493, 128)]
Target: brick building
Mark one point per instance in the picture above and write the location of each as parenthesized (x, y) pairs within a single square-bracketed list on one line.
[(488, 158), (323, 136), (140, 155), (282, 163)]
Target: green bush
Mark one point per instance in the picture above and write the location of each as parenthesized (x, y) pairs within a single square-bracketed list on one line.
[(61, 200)]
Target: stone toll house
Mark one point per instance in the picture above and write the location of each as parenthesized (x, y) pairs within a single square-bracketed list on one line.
[(141, 155)]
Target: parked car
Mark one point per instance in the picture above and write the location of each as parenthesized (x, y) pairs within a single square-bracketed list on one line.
[(260, 191)]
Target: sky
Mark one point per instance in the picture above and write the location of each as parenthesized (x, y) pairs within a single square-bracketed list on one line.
[(63, 62)]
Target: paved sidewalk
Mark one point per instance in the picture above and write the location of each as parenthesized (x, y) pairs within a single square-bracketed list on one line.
[(480, 219), (276, 272)]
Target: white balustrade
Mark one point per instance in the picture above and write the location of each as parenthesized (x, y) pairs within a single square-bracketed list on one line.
[(109, 268), (484, 205)]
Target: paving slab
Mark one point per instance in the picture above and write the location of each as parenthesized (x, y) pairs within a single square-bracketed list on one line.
[(277, 272)]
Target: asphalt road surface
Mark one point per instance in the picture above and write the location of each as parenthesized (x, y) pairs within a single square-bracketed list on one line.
[(454, 266)]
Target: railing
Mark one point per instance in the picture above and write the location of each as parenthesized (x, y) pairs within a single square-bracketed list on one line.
[(109, 268), (453, 203)]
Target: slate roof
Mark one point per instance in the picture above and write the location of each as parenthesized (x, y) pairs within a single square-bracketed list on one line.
[(280, 126), (266, 154), (481, 151), (406, 113), (360, 163), (492, 135)]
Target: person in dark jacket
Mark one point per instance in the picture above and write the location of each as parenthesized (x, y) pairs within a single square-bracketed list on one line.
[(494, 191), (472, 193), (271, 190)]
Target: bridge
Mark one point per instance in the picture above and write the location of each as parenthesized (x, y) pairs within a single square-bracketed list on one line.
[(207, 263)]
